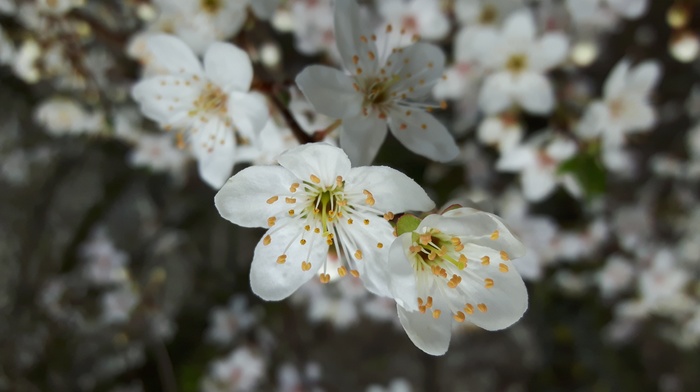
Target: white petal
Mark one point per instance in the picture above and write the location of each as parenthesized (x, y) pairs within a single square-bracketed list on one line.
[(411, 64), (477, 227), (490, 131), (164, 98), (392, 190), (495, 93), (423, 134), (366, 238), (402, 276), (174, 55), (644, 77), (551, 50), (593, 122), (228, 67), (505, 302), (330, 91), (616, 81), (319, 159), (361, 138), (537, 184), (349, 27), (264, 9), (249, 113), (215, 149), (534, 93), (631, 9), (273, 281), (638, 115), (428, 334), (516, 159), (520, 27), (243, 200)]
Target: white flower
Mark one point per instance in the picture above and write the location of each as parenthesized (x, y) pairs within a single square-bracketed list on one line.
[(663, 281), (158, 153), (241, 371), (104, 263), (380, 89), (313, 201), (625, 107), (66, 117), (519, 61), (225, 323), (422, 17), (538, 164), (455, 266), (118, 304), (210, 106), (615, 276), (588, 10), (504, 132)]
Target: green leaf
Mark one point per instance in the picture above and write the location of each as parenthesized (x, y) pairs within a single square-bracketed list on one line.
[(586, 168), (407, 224)]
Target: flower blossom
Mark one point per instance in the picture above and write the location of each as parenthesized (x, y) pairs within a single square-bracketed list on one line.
[(313, 202), (519, 61), (455, 266), (625, 107), (380, 89), (209, 107)]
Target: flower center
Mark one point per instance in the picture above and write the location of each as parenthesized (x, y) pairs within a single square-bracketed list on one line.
[(327, 205), (433, 248), (212, 100), (488, 15), (516, 63), (211, 6)]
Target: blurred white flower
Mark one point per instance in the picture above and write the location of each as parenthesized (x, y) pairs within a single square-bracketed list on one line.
[(423, 17), (662, 283), (62, 116), (159, 153), (503, 132), (210, 106), (396, 385), (117, 304), (615, 276), (518, 60), (456, 265), (587, 11), (226, 323), (381, 89), (538, 164), (312, 201), (104, 263), (625, 107), (241, 371), (25, 61)]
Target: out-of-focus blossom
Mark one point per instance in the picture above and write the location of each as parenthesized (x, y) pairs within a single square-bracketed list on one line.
[(518, 60), (382, 89), (210, 107), (591, 11), (625, 107), (396, 385), (616, 275), (62, 116), (117, 304), (455, 265), (159, 154), (225, 324), (241, 371), (538, 163), (104, 263), (312, 201), (663, 281), (25, 61), (422, 17), (503, 132)]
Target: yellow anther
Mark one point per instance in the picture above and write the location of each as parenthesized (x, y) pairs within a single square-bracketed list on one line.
[(355, 273), (488, 283), (414, 248), (350, 221), (469, 309), (389, 28), (485, 260), (495, 234), (389, 216), (290, 200), (420, 301), (366, 221), (422, 309), (358, 70), (317, 230), (380, 245), (294, 187), (432, 256), (358, 254), (281, 259), (305, 266), (482, 308), (436, 313), (307, 227), (271, 221), (315, 179), (455, 241), (325, 278), (370, 201), (272, 199), (371, 55), (504, 256), (291, 212), (459, 247), (342, 271), (363, 39), (503, 268), (355, 59), (459, 317), (424, 126), (267, 240), (429, 303), (462, 261), (425, 239), (302, 241)]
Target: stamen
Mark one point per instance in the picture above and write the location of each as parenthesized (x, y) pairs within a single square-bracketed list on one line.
[(305, 266), (267, 240), (272, 199)]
